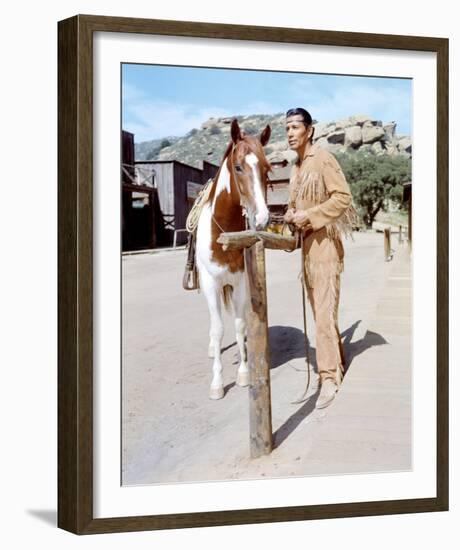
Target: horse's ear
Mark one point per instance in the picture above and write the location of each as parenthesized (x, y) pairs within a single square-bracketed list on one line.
[(265, 135), (235, 131)]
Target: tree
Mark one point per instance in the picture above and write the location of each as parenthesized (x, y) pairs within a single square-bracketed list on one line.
[(165, 143), (375, 181)]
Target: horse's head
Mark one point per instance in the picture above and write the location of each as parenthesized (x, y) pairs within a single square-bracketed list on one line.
[(250, 167)]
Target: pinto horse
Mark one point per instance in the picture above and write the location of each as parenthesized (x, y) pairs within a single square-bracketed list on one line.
[(237, 194)]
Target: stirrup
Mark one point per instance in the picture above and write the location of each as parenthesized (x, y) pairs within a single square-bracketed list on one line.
[(190, 280)]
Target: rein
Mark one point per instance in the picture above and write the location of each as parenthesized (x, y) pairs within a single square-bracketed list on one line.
[(303, 397), (299, 241)]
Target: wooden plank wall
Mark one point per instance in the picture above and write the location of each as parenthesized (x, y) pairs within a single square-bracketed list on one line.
[(127, 155)]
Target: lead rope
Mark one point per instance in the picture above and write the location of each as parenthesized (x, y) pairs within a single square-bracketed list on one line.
[(304, 308)]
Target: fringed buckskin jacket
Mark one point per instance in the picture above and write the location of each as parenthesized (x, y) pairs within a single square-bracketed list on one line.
[(318, 185)]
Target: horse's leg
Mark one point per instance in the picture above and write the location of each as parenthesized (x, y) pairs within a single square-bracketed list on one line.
[(212, 292), (239, 306)]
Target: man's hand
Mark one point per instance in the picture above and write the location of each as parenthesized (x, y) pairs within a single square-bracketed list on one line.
[(300, 219), (289, 216)]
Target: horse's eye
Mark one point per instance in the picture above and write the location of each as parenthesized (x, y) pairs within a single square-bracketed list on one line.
[(238, 168)]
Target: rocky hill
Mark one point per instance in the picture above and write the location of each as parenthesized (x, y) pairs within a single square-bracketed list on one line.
[(352, 134)]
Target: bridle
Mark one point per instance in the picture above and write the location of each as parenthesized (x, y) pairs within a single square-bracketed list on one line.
[(231, 158)]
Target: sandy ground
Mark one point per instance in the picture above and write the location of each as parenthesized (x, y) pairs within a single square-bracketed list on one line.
[(172, 432)]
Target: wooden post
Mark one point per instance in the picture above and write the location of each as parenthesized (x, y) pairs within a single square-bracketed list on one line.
[(260, 410), (387, 243), (260, 419), (153, 236)]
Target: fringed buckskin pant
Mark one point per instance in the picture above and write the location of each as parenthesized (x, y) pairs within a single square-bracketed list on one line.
[(323, 266)]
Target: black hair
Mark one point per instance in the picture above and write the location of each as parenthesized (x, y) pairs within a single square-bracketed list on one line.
[(307, 120)]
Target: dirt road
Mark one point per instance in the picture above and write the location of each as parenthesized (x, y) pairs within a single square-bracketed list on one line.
[(172, 432)]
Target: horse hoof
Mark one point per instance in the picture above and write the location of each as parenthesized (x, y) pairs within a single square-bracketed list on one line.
[(216, 393), (242, 379)]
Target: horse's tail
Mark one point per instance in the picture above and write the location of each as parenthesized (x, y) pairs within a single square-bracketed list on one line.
[(227, 292)]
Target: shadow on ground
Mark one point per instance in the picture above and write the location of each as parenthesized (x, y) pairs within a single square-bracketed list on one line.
[(353, 349), (287, 343)]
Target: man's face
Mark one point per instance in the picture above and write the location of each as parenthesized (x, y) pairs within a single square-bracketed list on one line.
[(297, 133)]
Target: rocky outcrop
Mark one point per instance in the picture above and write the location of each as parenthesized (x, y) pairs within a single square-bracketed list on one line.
[(362, 133), (338, 136), (405, 145), (372, 132), (353, 136), (349, 135), (390, 130)]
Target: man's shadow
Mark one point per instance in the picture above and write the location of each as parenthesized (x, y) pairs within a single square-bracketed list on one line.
[(288, 343)]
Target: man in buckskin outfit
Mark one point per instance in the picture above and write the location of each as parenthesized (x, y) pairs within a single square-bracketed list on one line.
[(320, 205)]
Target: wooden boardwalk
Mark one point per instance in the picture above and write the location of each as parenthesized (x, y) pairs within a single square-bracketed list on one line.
[(371, 415)]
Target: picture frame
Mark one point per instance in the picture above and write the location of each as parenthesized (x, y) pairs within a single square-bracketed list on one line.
[(75, 264)]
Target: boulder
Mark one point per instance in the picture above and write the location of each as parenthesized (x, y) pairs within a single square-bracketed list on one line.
[(353, 136), (359, 120), (391, 149), (377, 148), (389, 129), (322, 142), (344, 123), (405, 145), (276, 156), (337, 136), (323, 129), (279, 145), (208, 123), (372, 133)]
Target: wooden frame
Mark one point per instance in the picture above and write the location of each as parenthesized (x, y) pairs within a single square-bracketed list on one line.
[(75, 169)]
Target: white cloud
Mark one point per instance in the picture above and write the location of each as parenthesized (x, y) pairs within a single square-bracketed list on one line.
[(156, 119), (384, 102), (152, 119), (132, 93)]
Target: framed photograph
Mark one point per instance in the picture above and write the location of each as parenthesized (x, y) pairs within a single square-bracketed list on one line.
[(253, 274)]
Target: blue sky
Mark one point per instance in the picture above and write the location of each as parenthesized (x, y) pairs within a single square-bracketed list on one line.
[(161, 101)]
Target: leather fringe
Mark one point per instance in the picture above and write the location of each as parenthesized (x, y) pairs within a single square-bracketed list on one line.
[(311, 188)]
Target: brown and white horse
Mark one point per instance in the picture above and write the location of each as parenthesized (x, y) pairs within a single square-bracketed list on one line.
[(238, 193)]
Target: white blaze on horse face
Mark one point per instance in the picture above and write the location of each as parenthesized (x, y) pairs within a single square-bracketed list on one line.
[(223, 183), (261, 215)]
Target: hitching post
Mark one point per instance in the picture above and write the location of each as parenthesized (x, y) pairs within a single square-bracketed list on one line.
[(260, 417), (387, 243)]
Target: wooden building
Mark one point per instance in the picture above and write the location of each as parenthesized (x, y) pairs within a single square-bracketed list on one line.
[(176, 185), (158, 194), (156, 198), (138, 202), (277, 191)]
